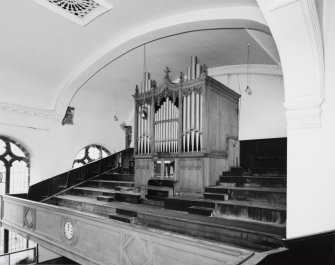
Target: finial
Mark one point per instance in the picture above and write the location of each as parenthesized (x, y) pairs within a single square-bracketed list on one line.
[(153, 84), (136, 89), (204, 70), (181, 77), (167, 72)]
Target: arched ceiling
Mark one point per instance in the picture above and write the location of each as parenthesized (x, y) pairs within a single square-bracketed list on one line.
[(41, 50)]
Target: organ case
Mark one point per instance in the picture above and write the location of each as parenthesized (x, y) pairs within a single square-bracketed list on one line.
[(185, 131)]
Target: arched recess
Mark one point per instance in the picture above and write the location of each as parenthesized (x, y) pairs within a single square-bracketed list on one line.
[(247, 17)]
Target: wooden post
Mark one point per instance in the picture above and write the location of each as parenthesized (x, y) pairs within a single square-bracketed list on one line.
[(136, 128), (152, 123), (180, 115)]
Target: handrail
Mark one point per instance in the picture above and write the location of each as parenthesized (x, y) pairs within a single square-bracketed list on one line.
[(20, 251), (49, 187), (113, 234), (69, 188)]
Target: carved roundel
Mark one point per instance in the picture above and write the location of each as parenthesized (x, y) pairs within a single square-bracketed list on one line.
[(69, 231)]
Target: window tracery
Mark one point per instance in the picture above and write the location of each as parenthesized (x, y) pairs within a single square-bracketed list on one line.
[(89, 154), (14, 179)]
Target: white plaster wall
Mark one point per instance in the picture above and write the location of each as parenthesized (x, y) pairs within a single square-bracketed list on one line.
[(311, 179), (262, 114)]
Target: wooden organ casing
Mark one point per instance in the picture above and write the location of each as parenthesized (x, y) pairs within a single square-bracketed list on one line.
[(189, 134)]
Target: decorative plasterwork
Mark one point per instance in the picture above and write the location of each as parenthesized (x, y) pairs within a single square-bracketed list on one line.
[(29, 218), (135, 250), (26, 110), (79, 11), (304, 118)]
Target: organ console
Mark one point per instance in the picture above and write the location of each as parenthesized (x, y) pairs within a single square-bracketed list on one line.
[(187, 130)]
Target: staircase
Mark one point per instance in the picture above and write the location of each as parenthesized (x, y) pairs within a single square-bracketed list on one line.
[(235, 220), (244, 210), (157, 191), (254, 197), (92, 196), (248, 202)]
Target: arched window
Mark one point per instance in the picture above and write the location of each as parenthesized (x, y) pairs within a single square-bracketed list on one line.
[(88, 154), (14, 179)]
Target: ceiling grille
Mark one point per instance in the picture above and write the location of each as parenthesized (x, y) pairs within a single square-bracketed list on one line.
[(79, 11), (79, 8)]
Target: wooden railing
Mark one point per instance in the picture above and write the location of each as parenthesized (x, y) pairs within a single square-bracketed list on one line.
[(49, 187), (101, 241), (25, 256)]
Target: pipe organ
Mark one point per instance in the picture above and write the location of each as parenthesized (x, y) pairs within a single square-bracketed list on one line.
[(187, 125)]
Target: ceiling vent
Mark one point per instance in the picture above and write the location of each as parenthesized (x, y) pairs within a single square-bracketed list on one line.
[(81, 12)]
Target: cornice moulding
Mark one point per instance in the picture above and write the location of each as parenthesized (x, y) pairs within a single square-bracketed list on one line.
[(260, 69), (25, 110), (279, 4)]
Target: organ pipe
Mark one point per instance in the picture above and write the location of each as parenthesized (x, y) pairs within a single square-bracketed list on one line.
[(160, 131)]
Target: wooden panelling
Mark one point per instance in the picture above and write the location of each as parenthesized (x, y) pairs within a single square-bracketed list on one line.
[(102, 241), (264, 153), (143, 171), (191, 174)]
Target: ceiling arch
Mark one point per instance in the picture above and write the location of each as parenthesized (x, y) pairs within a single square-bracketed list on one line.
[(248, 17)]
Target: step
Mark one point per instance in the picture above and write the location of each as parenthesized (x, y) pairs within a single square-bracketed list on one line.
[(255, 181), (273, 171), (105, 198), (215, 196), (117, 177), (155, 203), (237, 169), (91, 192), (156, 191), (123, 218), (127, 196), (232, 181), (155, 198), (109, 183), (257, 194), (184, 203), (200, 210), (126, 212), (212, 228), (207, 203), (162, 182), (265, 212), (124, 189), (83, 204), (178, 203), (232, 173)]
